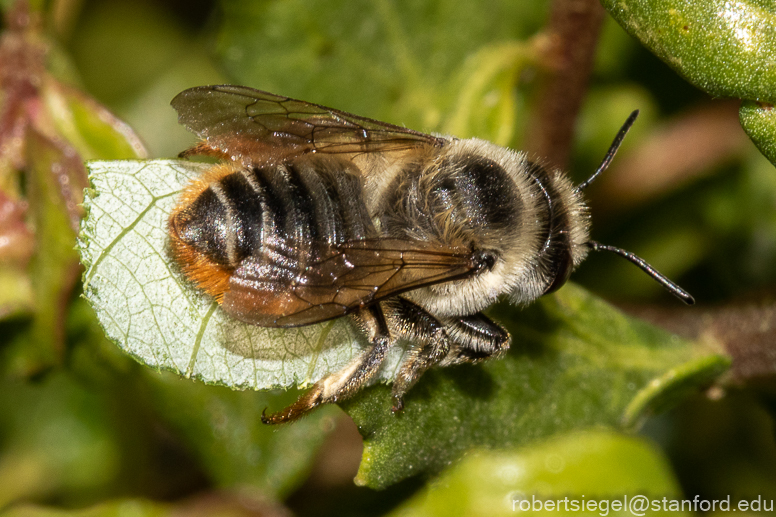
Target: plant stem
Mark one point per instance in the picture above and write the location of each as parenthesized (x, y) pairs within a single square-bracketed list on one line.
[(574, 30)]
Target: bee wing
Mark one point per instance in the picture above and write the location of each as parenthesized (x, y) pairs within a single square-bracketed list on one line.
[(352, 276), (241, 122)]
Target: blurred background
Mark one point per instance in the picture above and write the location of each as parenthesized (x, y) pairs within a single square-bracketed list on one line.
[(86, 430)]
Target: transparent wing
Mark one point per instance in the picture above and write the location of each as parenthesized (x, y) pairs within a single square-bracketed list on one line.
[(280, 293), (242, 122)]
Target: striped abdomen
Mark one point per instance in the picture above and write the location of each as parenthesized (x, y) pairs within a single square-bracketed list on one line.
[(286, 215)]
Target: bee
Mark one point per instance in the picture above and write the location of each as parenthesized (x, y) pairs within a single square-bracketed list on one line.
[(313, 214)]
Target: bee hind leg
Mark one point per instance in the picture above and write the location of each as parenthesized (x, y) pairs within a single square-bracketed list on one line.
[(346, 382), (203, 149)]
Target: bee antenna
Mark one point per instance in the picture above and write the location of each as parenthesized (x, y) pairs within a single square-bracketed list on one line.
[(652, 272), (611, 152)]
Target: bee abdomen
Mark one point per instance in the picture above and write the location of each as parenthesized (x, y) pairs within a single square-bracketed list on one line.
[(304, 206), (217, 224)]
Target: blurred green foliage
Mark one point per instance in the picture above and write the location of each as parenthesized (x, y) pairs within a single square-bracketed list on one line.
[(575, 363), (567, 471), (83, 426)]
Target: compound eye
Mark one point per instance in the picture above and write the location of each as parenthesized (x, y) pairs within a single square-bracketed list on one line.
[(561, 272)]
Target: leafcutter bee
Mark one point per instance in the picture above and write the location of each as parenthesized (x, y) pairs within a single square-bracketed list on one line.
[(314, 214)]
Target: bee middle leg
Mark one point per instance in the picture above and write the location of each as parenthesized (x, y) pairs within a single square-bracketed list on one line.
[(411, 322), (443, 342), (346, 382)]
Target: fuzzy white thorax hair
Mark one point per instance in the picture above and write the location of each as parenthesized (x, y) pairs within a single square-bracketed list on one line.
[(518, 272)]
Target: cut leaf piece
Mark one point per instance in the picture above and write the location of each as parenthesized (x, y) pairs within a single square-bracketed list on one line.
[(575, 362), (589, 473), (150, 310)]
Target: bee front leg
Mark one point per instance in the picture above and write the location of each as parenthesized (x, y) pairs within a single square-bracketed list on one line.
[(474, 338), (346, 382)]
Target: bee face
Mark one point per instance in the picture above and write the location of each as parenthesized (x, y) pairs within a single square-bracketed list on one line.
[(317, 214)]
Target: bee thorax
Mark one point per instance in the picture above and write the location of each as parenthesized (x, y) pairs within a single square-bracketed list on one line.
[(524, 224)]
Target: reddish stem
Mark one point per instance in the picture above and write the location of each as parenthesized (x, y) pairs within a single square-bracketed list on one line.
[(574, 29)]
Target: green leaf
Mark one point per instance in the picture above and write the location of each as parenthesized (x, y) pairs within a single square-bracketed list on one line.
[(54, 268), (725, 48), (54, 442), (759, 122), (589, 470), (204, 504), (225, 432), (218, 428), (403, 62), (16, 246), (664, 392), (575, 362), (152, 312), (88, 126), (486, 84)]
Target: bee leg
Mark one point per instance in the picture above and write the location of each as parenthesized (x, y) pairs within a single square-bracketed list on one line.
[(203, 149), (474, 338), (346, 382), (465, 339), (411, 322)]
